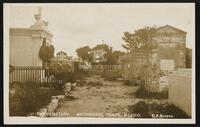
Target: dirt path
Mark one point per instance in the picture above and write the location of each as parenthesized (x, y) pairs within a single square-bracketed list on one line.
[(112, 97)]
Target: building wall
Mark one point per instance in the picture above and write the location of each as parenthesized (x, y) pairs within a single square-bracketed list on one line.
[(188, 58), (171, 45), (167, 54), (180, 89), (24, 45), (141, 65), (21, 53), (133, 63)]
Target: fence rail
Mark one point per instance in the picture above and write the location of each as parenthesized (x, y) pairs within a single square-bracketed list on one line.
[(106, 67), (30, 74), (106, 70)]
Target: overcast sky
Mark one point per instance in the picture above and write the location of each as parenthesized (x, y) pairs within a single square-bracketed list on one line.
[(76, 25)]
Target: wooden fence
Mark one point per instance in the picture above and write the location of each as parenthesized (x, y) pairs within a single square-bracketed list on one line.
[(106, 67), (30, 74)]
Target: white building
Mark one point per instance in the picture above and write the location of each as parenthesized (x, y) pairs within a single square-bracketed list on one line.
[(25, 43)]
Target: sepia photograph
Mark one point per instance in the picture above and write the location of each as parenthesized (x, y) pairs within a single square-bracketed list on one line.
[(99, 63)]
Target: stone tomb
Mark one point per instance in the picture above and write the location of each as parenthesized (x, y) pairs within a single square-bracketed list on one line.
[(150, 65), (141, 64)]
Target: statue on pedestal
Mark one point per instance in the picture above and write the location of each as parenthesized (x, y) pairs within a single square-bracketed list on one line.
[(39, 22)]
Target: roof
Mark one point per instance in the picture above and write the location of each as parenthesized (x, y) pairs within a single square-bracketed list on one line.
[(171, 27)]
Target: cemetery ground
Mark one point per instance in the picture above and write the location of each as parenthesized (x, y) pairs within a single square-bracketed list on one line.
[(94, 96), (97, 96), (100, 97)]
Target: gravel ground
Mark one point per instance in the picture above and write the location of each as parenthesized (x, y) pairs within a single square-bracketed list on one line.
[(107, 100)]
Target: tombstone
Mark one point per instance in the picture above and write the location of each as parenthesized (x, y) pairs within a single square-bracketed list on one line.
[(67, 88)]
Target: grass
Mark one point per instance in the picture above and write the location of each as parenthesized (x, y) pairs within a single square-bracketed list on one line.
[(111, 76), (131, 83), (79, 75), (147, 109), (143, 93), (70, 98), (28, 98)]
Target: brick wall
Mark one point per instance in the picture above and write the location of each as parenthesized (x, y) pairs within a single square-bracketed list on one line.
[(141, 64)]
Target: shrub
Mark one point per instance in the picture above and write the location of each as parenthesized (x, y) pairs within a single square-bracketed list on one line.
[(46, 52), (131, 83), (140, 108), (28, 98), (174, 110), (143, 93), (60, 69), (63, 71), (111, 75), (79, 75), (95, 84), (147, 109)]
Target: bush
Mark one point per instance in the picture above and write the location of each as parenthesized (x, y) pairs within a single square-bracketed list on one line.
[(143, 93), (174, 110), (46, 52), (79, 75), (147, 109), (27, 98), (141, 108), (111, 75), (60, 69), (131, 83), (63, 71)]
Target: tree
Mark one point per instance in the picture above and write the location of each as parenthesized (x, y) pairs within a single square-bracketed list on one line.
[(107, 54), (141, 38), (60, 69), (46, 52), (105, 47), (110, 56), (83, 52), (51, 50), (115, 56)]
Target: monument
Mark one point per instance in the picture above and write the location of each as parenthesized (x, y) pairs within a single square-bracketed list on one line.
[(25, 42)]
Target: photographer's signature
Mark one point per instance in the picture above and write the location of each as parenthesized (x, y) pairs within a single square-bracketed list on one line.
[(161, 116)]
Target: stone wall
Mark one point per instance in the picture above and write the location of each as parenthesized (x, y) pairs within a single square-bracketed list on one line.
[(142, 64), (180, 83), (166, 54), (132, 63), (171, 44), (188, 58)]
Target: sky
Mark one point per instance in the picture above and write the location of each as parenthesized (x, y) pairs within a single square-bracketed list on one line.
[(77, 25)]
